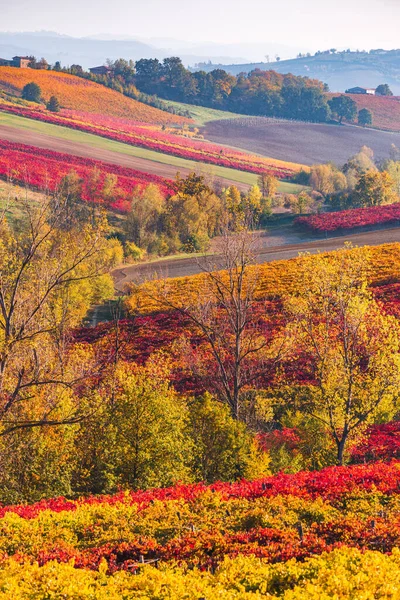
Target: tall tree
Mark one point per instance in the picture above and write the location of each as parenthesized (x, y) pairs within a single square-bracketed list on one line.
[(354, 347), (50, 272), (227, 318), (343, 107)]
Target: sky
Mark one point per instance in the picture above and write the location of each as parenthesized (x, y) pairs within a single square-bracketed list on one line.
[(315, 24)]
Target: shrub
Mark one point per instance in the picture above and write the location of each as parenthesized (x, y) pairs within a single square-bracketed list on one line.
[(32, 92)]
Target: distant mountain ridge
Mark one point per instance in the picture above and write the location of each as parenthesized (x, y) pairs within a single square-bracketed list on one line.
[(94, 50), (341, 70)]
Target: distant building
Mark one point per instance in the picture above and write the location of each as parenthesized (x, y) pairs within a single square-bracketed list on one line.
[(361, 90), (103, 70), (21, 61)]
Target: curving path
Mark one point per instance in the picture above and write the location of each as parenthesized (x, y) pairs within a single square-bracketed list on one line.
[(180, 267)]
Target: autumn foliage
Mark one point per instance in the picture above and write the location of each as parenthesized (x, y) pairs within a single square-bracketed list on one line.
[(43, 169), (151, 137), (80, 94)]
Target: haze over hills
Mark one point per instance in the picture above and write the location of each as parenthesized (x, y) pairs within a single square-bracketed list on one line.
[(95, 49), (340, 70)]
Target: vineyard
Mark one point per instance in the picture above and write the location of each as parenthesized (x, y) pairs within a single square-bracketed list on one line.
[(153, 138), (76, 93), (275, 280), (349, 219), (385, 109), (227, 540), (43, 169)]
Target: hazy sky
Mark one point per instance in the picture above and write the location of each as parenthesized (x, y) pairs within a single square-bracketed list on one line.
[(306, 23)]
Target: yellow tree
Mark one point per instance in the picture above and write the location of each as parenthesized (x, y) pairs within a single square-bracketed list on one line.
[(354, 347), (50, 274)]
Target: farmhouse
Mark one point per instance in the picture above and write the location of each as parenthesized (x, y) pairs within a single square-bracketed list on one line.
[(22, 62), (103, 70), (361, 90)]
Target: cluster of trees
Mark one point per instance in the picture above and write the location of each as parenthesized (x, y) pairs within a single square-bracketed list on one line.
[(345, 108), (360, 182), (195, 213), (346, 348), (258, 93), (71, 422), (33, 93)]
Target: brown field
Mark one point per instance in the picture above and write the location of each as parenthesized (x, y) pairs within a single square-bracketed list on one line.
[(385, 110), (306, 143)]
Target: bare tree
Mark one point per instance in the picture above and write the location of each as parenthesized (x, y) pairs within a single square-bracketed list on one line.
[(224, 311)]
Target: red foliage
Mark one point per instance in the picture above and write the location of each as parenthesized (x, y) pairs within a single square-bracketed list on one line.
[(43, 169), (145, 136), (356, 217), (330, 484), (381, 442)]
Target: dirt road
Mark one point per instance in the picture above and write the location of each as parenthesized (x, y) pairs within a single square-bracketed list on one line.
[(180, 267)]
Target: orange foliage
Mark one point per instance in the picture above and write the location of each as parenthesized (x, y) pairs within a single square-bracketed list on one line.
[(275, 279), (80, 94)]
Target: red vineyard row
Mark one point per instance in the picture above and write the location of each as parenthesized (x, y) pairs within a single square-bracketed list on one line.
[(330, 484), (349, 219), (152, 138), (43, 169)]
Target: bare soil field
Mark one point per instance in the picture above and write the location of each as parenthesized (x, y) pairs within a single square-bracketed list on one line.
[(306, 143), (283, 245)]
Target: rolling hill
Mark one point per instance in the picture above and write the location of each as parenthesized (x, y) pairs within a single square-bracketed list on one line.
[(385, 110), (340, 71), (80, 94), (308, 143)]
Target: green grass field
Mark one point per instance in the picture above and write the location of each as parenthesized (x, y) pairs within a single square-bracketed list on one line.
[(202, 115), (95, 141), (12, 198)]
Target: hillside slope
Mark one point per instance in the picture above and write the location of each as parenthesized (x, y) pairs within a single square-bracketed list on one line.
[(385, 110), (80, 94), (306, 143)]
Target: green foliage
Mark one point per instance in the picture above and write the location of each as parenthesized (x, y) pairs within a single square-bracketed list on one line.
[(365, 117), (343, 107), (53, 104), (383, 90), (32, 92), (137, 439), (223, 449)]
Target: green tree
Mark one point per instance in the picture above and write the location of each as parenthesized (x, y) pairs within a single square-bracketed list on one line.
[(32, 92), (383, 90), (138, 438), (343, 107), (365, 117), (223, 448), (53, 104)]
